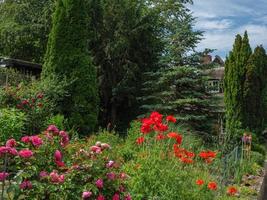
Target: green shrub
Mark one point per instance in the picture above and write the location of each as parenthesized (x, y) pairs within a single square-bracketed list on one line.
[(11, 123), (38, 100), (58, 120)]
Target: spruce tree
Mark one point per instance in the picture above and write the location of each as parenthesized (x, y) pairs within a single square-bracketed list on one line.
[(235, 73), (180, 90), (67, 57)]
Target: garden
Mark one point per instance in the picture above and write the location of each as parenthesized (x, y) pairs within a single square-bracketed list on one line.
[(122, 108)]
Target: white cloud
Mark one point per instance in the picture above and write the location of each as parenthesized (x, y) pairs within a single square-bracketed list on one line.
[(223, 20), (208, 24)]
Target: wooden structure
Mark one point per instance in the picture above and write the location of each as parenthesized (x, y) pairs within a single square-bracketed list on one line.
[(23, 69)]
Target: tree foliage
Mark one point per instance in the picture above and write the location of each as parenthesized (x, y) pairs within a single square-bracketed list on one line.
[(235, 73), (255, 91), (24, 28), (67, 57), (125, 45)]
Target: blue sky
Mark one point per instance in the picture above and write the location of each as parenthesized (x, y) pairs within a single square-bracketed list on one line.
[(222, 20)]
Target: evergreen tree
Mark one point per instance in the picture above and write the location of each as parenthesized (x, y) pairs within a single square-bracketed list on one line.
[(125, 45), (180, 90), (235, 73), (67, 57), (255, 90)]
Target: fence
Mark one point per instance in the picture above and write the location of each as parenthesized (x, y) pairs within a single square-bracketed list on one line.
[(231, 163)]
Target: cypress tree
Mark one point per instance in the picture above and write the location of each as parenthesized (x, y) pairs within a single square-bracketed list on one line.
[(235, 73), (255, 90), (67, 57)]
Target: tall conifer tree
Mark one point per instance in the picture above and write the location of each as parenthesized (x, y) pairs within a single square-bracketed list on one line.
[(235, 73), (67, 57), (255, 90)]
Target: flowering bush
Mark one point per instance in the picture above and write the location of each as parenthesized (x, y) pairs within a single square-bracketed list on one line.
[(47, 166)]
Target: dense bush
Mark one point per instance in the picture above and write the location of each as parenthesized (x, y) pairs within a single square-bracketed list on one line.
[(11, 123), (37, 100)]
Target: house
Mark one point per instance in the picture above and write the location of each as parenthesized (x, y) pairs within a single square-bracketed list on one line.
[(215, 86), (25, 69)]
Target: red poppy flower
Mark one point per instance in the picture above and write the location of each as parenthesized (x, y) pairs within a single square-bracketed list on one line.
[(231, 190), (160, 136), (176, 136), (170, 118), (156, 117), (189, 154), (140, 140), (186, 160), (160, 127), (146, 125), (199, 182), (212, 186)]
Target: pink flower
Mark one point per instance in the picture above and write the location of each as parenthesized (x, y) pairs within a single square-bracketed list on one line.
[(11, 143), (128, 197), (25, 185), (86, 194), (56, 178), (26, 139), (111, 176), (36, 141), (116, 197), (43, 174), (100, 197), (105, 146), (58, 159), (110, 164), (48, 136), (25, 153), (95, 149), (64, 138), (99, 183), (57, 155), (123, 176), (53, 128), (3, 176), (4, 150), (13, 151)]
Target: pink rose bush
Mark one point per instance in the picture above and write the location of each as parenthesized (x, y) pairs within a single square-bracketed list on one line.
[(50, 166)]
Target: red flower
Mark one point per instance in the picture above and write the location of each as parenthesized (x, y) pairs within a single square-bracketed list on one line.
[(160, 127), (176, 136), (156, 117), (199, 182), (189, 154), (208, 156), (40, 95), (140, 140), (171, 118), (160, 136), (146, 125), (212, 186), (186, 160), (231, 190)]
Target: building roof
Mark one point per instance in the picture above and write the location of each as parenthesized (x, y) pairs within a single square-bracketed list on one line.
[(21, 65), (216, 73)]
